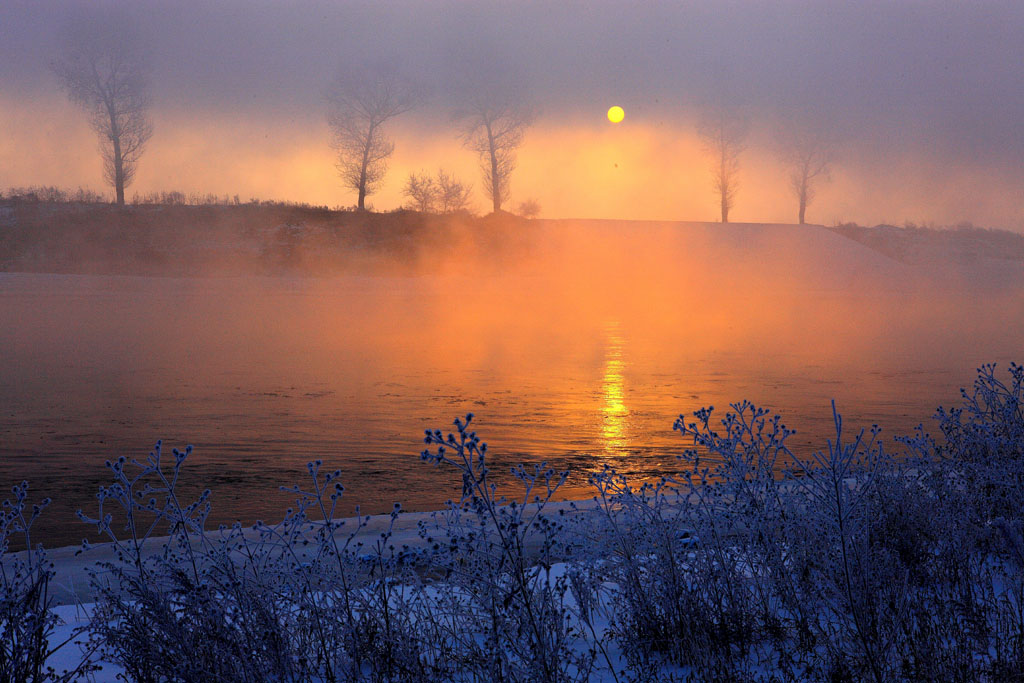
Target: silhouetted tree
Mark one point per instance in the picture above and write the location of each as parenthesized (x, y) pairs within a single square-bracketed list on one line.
[(453, 195), (444, 194), (809, 156), (529, 208), (422, 192), (494, 130), (724, 134), (102, 71), (360, 103)]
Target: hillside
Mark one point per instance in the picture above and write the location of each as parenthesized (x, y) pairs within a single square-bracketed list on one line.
[(986, 256), (179, 240), (738, 254), (278, 239)]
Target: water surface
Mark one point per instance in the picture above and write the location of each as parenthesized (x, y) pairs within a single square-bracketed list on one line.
[(582, 355)]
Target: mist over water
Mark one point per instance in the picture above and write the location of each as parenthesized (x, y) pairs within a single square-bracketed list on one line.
[(578, 347)]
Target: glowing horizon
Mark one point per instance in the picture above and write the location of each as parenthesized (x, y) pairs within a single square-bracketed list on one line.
[(927, 131), (649, 170)]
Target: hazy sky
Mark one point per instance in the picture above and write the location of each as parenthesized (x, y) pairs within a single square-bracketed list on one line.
[(925, 99)]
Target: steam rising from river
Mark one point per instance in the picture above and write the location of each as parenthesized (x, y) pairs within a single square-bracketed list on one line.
[(574, 342)]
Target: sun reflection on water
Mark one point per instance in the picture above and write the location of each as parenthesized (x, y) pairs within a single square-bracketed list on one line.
[(613, 430)]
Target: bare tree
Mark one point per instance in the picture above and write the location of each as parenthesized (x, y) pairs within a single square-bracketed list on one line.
[(359, 104), (422, 192), (103, 72), (494, 130), (724, 134), (809, 156), (445, 194), (452, 193)]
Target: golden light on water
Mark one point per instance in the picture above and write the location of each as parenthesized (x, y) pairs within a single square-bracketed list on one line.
[(614, 410), (616, 114)]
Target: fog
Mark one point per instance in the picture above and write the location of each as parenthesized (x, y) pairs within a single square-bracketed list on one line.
[(924, 100), (574, 342)]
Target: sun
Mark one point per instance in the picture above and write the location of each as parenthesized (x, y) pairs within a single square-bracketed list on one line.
[(616, 114)]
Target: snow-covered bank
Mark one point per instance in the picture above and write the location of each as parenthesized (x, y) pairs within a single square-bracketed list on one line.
[(71, 565), (73, 651)]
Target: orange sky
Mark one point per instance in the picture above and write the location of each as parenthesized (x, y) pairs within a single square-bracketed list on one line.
[(580, 168)]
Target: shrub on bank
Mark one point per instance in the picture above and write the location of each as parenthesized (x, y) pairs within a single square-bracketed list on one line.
[(26, 621)]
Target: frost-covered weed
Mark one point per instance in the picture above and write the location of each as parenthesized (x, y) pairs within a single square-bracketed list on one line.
[(26, 621), (661, 602), (299, 600), (511, 619), (984, 444), (173, 604), (675, 556), (851, 564), (305, 600)]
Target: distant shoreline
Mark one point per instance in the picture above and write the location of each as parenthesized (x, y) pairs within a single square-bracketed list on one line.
[(272, 239)]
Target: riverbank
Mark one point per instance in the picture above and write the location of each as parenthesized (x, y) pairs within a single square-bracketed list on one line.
[(266, 238), (235, 239), (70, 584)]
